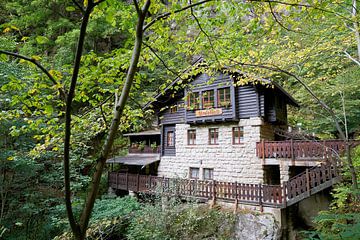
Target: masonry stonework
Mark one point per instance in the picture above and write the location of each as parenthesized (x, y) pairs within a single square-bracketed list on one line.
[(230, 162)]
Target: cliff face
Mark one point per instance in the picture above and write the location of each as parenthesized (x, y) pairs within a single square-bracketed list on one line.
[(252, 226)]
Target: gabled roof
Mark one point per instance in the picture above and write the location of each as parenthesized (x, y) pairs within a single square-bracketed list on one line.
[(200, 60)]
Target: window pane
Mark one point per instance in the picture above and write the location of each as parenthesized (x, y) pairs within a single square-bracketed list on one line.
[(224, 97), (193, 101), (194, 173), (208, 173), (170, 139), (208, 99), (213, 135), (192, 137), (238, 135)]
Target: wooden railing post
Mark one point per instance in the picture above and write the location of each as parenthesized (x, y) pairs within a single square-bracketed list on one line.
[(263, 150), (308, 182), (138, 182), (284, 194), (127, 181), (260, 197), (214, 191), (292, 150), (150, 187)]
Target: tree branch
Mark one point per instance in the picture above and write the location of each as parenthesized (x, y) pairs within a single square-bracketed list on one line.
[(77, 229), (302, 5), (161, 60), (351, 58), (137, 7), (202, 30), (308, 89), (165, 15), (79, 6), (43, 69), (119, 107)]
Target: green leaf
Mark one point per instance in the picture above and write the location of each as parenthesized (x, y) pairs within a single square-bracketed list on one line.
[(70, 8), (42, 39)]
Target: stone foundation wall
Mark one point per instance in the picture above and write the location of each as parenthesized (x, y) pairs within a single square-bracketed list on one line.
[(230, 162)]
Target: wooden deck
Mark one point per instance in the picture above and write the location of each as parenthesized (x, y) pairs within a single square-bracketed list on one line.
[(302, 150), (296, 189)]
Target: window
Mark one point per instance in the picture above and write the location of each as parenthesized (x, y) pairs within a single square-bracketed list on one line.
[(208, 99), (238, 135), (170, 139), (173, 109), (193, 102), (194, 173), (191, 137), (224, 97), (208, 173), (213, 136)]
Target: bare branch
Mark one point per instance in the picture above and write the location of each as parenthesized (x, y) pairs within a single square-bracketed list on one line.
[(42, 68), (203, 31), (351, 58), (79, 6), (303, 5), (165, 15), (161, 60)]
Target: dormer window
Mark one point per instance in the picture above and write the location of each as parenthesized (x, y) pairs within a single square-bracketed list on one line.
[(208, 99), (224, 97), (193, 102), (173, 109)]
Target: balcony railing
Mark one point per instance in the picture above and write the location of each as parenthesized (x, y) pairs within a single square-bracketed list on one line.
[(290, 192), (311, 150), (146, 149)]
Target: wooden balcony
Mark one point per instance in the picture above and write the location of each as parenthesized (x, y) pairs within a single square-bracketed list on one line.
[(302, 150), (146, 149)]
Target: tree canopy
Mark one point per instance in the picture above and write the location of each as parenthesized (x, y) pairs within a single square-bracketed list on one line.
[(315, 41)]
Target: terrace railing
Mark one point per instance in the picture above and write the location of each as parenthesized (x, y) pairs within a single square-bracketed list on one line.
[(296, 189), (146, 149), (311, 150), (254, 194)]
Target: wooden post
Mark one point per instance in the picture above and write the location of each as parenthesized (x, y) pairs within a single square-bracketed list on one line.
[(292, 151), (127, 181), (263, 151), (116, 180), (214, 191), (149, 183), (284, 194), (260, 197), (163, 184), (138, 182), (308, 182)]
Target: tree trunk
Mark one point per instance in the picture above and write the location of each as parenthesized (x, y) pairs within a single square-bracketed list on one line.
[(118, 110)]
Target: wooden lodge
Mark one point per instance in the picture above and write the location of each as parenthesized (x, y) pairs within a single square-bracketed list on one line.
[(217, 139)]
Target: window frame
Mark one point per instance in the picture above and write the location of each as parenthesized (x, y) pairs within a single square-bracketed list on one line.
[(211, 173), (191, 172), (191, 136), (240, 138), (193, 101), (227, 98), (216, 136), (168, 145), (208, 100)]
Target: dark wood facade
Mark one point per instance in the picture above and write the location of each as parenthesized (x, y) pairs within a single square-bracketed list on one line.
[(244, 101)]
